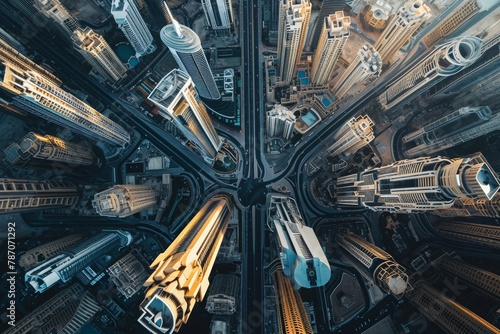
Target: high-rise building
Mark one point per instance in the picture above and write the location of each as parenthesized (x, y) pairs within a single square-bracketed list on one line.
[(301, 254), (454, 18), (331, 42), (130, 21), (223, 294), (352, 136), (41, 253), (291, 313), (366, 63), (464, 207), (485, 235), (38, 147), (447, 313), (57, 12), (27, 195), (124, 200), (67, 312), (418, 185), (459, 127), (177, 100), (374, 264), (293, 25), (185, 46), (378, 15), (327, 7), (219, 14), (128, 275), (94, 48), (280, 122), (447, 59), (37, 91), (181, 272), (402, 26), (484, 280), (68, 263)]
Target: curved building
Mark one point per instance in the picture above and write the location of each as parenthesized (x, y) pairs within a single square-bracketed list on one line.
[(302, 256), (185, 46)]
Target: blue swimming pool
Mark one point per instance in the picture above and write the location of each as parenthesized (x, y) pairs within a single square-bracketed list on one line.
[(310, 118), (126, 54)]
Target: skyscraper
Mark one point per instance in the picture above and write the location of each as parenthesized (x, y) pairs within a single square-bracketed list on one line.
[(124, 200), (280, 122), (39, 254), (219, 14), (293, 25), (57, 12), (130, 21), (176, 97), (464, 207), (38, 147), (327, 7), (374, 264), (447, 59), (402, 26), (223, 294), (352, 136), (291, 313), (447, 313), (68, 263), (366, 63), (418, 185), (302, 257), (66, 312), (331, 42), (378, 15), (185, 46), (181, 272), (37, 91), (461, 126), (453, 19), (27, 195), (128, 275), (485, 235), (94, 48)]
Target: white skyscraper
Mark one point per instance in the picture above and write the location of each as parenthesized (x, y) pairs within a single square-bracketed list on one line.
[(418, 185), (447, 59), (292, 33), (38, 92), (280, 122), (402, 26), (130, 21), (366, 63), (352, 136), (176, 97), (185, 46), (124, 200), (331, 42), (219, 14), (94, 48)]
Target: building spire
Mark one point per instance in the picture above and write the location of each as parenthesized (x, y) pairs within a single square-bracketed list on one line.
[(170, 18)]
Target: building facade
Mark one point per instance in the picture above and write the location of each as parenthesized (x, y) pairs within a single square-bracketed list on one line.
[(301, 254), (292, 33), (352, 136), (55, 10), (485, 235), (219, 15), (464, 207), (446, 60), (447, 313), (38, 92), (402, 26), (378, 15), (327, 7), (418, 185), (223, 294), (97, 52), (38, 147), (459, 127), (367, 63), (128, 275), (280, 122), (181, 272), (185, 46), (131, 23), (66, 264), (331, 42), (124, 200), (178, 101), (374, 264), (27, 195)]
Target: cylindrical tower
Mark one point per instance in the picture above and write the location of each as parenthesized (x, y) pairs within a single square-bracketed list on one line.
[(124, 200)]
